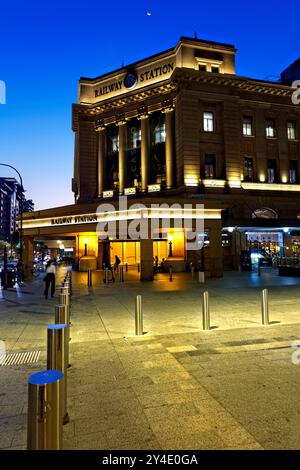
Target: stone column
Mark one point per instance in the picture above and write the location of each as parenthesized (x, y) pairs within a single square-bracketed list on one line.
[(122, 155), (145, 151), (28, 256), (101, 160), (146, 250), (215, 249), (169, 112)]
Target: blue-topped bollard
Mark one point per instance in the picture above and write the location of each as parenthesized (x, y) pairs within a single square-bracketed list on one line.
[(44, 418), (57, 357)]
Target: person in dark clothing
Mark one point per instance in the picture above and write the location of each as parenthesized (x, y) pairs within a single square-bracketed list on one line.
[(117, 262), (50, 278)]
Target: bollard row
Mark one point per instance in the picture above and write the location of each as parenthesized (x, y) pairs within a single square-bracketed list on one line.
[(47, 390)]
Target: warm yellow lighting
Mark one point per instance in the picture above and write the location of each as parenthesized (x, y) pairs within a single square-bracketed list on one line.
[(213, 183), (262, 177), (284, 178), (85, 241), (191, 181), (170, 238), (234, 184), (62, 246), (59, 242), (272, 186)]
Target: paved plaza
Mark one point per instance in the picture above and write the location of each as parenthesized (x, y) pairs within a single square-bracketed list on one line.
[(177, 386)]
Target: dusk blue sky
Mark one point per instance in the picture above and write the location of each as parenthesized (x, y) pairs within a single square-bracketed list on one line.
[(47, 45)]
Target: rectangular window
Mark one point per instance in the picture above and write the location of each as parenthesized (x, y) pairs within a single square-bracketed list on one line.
[(270, 128), (272, 170), (247, 125), (215, 69), (202, 67), (291, 130), (208, 121), (293, 172), (160, 133), (248, 169), (209, 166)]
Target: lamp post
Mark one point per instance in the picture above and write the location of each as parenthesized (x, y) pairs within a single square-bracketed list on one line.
[(21, 208), (170, 238)]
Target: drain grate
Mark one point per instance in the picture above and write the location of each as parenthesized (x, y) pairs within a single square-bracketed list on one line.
[(25, 357)]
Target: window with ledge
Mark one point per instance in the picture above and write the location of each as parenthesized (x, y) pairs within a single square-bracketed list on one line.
[(270, 128), (293, 172), (208, 121), (209, 166), (115, 143), (247, 125), (291, 130), (272, 170), (160, 133), (202, 67), (215, 69), (136, 137), (248, 169)]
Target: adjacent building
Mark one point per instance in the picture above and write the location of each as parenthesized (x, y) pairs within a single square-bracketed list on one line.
[(10, 204), (182, 127)]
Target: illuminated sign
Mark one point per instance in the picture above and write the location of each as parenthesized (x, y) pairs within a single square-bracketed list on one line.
[(127, 81), (108, 193), (79, 219), (129, 191), (153, 188)]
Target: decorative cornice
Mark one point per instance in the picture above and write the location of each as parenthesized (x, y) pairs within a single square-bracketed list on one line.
[(233, 81), (127, 100)]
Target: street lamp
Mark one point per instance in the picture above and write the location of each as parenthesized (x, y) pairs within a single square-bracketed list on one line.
[(21, 208), (170, 238)]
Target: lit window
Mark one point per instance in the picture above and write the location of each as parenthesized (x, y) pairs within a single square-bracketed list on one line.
[(293, 171), (291, 130), (270, 128), (115, 143), (136, 136), (210, 166), (247, 125), (208, 121), (160, 133), (215, 69), (248, 169), (271, 170)]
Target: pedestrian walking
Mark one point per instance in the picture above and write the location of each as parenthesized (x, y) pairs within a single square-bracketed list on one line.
[(50, 278)]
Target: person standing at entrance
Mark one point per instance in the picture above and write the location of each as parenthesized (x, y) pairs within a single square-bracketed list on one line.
[(50, 278)]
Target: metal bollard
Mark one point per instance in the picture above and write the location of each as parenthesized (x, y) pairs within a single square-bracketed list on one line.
[(126, 265), (57, 357), (62, 314), (201, 277), (121, 274), (90, 278), (170, 273), (44, 417), (138, 267), (138, 316), (205, 311), (106, 275), (265, 307)]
